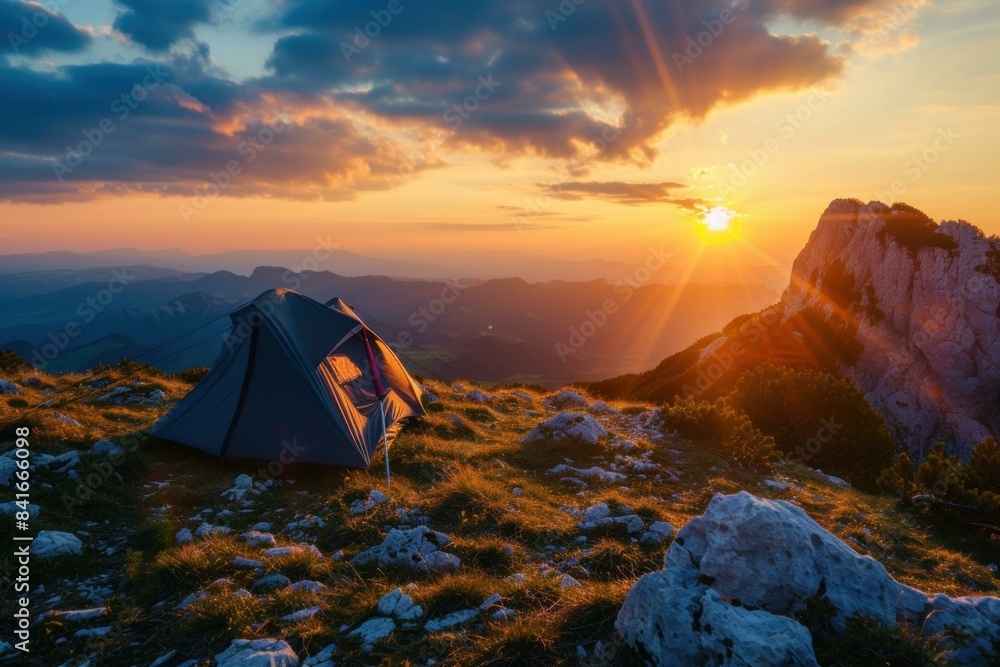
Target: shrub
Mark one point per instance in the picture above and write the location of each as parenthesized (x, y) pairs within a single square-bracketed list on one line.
[(913, 229), (991, 267), (817, 419), (723, 428), (975, 483), (11, 362)]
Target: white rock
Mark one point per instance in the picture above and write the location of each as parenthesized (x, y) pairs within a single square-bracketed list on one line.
[(191, 599), (53, 544), (398, 604), (452, 620), (657, 533), (477, 396), (107, 448), (77, 615), (12, 508), (602, 408), (255, 538), (772, 557), (8, 466), (322, 659), (272, 582), (975, 619), (9, 388), (745, 637), (503, 614), (490, 602), (208, 530), (258, 653), (301, 615), (595, 472), (416, 548), (307, 585), (374, 629), (567, 399), (568, 426), (184, 536), (375, 498), (566, 581), (240, 561)]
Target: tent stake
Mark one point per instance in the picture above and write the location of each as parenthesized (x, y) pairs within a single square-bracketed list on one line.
[(385, 442)]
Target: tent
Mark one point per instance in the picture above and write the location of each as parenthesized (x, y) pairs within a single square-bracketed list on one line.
[(296, 380)]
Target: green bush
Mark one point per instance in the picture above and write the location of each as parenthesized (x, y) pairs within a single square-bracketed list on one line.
[(975, 482), (817, 419), (913, 229), (724, 428)]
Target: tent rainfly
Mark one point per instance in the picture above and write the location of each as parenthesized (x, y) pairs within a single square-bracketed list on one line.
[(296, 380)]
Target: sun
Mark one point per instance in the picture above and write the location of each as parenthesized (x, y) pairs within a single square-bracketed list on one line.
[(718, 224), (718, 219)]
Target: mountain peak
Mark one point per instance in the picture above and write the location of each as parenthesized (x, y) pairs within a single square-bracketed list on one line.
[(923, 303)]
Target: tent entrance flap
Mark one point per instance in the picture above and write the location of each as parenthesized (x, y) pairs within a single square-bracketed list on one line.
[(244, 388)]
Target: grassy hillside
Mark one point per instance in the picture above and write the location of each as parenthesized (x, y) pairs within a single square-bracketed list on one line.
[(462, 471)]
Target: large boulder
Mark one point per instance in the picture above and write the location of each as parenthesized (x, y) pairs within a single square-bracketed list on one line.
[(734, 578)]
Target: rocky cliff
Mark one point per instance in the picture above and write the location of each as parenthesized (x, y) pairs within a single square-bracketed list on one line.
[(922, 301)]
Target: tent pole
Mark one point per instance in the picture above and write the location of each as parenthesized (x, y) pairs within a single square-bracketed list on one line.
[(385, 442)]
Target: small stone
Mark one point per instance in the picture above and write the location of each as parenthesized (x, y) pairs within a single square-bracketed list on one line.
[(455, 619)]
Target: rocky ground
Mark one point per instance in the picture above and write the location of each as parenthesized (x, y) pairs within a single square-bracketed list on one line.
[(521, 527)]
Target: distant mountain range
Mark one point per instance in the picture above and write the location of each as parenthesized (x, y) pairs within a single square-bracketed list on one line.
[(482, 265), (499, 329)]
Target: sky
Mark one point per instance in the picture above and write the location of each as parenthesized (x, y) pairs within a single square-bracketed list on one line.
[(717, 129)]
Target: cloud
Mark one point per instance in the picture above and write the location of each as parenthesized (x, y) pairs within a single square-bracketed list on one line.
[(159, 24), (617, 192), (362, 89), (563, 80), (28, 28), (119, 129)]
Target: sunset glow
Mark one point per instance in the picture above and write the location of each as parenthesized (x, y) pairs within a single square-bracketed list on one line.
[(268, 127)]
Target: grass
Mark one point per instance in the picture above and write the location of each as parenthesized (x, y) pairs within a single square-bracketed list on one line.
[(460, 477)]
